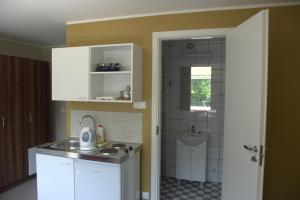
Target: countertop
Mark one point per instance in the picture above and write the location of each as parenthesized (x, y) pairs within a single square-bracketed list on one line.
[(118, 158)]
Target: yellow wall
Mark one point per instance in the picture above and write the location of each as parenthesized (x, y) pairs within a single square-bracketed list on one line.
[(139, 31)]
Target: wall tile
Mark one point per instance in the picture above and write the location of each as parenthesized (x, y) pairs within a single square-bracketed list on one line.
[(200, 116), (200, 126), (175, 76), (202, 46), (215, 48), (213, 152), (174, 101), (187, 115), (216, 88), (176, 125), (175, 113), (216, 76), (221, 153), (214, 140), (215, 101), (214, 126), (213, 165), (175, 88), (214, 115), (212, 176), (115, 124)]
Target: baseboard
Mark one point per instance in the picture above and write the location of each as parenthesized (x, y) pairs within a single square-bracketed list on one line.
[(145, 196)]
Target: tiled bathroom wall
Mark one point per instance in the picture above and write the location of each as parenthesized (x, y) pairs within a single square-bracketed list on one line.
[(176, 54)]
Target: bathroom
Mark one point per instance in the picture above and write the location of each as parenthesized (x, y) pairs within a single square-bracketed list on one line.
[(193, 88)]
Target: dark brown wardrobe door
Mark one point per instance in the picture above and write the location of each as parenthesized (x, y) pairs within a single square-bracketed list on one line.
[(20, 146), (37, 101), (11, 147), (42, 102), (28, 101), (2, 143)]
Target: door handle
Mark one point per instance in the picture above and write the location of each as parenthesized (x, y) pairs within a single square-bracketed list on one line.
[(30, 117), (251, 148), (253, 159), (3, 121)]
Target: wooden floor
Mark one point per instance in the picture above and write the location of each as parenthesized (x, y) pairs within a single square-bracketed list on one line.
[(25, 191)]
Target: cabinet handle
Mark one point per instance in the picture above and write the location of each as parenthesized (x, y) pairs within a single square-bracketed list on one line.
[(3, 121), (65, 162), (30, 117), (96, 171)]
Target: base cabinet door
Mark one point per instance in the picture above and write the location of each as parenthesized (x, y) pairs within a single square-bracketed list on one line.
[(183, 162), (97, 180), (55, 178), (198, 163)]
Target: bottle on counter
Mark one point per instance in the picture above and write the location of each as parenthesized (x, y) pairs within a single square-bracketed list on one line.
[(100, 135)]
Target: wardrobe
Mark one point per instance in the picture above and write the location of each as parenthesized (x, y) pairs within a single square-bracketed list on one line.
[(24, 114)]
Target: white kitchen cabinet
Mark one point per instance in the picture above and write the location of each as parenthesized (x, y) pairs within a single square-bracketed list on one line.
[(55, 177), (191, 162), (75, 77), (70, 77), (98, 180)]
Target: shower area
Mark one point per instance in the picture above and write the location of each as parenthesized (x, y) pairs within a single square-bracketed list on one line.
[(193, 88)]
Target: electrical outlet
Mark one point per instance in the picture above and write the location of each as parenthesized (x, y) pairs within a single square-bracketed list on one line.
[(139, 105)]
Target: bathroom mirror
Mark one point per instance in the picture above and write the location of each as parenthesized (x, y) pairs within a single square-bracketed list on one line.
[(195, 88)]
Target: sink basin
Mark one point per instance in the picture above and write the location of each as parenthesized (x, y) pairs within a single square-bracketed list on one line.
[(192, 139), (66, 145)]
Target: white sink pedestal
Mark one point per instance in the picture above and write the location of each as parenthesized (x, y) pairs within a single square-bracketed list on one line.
[(191, 157)]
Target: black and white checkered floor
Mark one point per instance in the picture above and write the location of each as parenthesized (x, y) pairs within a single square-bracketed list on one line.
[(171, 189)]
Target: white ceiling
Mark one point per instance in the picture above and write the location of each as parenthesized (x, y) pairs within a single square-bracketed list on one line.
[(42, 22)]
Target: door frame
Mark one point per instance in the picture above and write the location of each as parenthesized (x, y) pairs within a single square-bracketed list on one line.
[(157, 38)]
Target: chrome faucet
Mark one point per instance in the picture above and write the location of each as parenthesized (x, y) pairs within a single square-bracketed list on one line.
[(90, 117)]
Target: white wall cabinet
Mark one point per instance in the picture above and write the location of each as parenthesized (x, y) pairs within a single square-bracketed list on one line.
[(74, 75), (55, 177), (191, 162), (70, 75)]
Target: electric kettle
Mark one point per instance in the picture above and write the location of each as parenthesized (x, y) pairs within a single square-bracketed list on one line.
[(87, 139)]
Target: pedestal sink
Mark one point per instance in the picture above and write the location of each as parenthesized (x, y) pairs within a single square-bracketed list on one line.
[(192, 139)]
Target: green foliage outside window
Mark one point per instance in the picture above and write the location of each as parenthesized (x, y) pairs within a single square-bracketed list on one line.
[(200, 92)]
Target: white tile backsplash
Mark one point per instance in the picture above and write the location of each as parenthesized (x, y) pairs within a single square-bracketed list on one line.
[(118, 126), (176, 121)]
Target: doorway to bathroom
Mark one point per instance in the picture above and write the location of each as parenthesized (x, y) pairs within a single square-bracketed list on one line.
[(192, 123), (240, 167)]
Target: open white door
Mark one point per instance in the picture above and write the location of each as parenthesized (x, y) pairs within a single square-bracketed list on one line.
[(245, 109)]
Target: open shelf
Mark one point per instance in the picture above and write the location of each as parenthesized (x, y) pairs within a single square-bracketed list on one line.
[(111, 72), (111, 101), (110, 83)]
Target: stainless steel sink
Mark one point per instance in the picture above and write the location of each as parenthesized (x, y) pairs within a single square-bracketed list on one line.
[(108, 151), (66, 145)]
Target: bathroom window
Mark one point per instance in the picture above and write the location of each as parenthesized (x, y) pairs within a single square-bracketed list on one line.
[(200, 88)]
